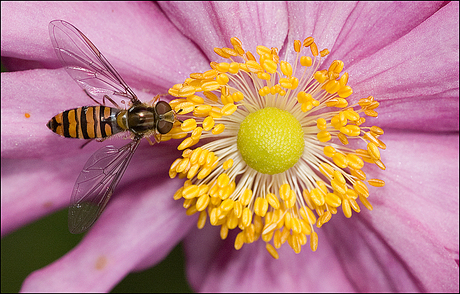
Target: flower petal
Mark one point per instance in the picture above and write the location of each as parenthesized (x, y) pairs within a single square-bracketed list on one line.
[(29, 100), (214, 265), (410, 240), (132, 227), (25, 198), (408, 243), (415, 78), (142, 44), (366, 27), (212, 24)]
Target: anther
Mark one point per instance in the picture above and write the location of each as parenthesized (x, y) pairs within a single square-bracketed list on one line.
[(297, 46), (308, 41)]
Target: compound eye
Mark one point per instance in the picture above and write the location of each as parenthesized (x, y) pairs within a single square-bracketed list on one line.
[(164, 126), (162, 107)]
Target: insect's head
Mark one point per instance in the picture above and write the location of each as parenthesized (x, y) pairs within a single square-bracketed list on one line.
[(165, 117)]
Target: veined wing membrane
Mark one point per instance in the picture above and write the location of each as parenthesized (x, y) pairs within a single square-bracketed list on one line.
[(86, 64), (96, 183)]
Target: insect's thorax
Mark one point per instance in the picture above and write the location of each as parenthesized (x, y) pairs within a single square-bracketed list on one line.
[(138, 119)]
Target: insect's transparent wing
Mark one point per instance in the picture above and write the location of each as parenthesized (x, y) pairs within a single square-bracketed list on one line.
[(86, 64), (96, 183)]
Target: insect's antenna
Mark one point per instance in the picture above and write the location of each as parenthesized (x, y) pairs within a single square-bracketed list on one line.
[(178, 112)]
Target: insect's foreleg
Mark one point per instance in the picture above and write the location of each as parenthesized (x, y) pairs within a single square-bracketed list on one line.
[(150, 141), (156, 98)]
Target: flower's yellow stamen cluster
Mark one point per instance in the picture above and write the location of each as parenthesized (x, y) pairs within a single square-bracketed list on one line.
[(282, 207)]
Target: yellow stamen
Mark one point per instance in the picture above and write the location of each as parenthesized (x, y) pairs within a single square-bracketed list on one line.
[(376, 182), (272, 251), (188, 125), (232, 187)]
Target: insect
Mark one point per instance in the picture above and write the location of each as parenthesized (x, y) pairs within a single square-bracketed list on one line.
[(101, 82)]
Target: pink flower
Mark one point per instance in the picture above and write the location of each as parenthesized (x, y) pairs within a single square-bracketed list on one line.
[(405, 54)]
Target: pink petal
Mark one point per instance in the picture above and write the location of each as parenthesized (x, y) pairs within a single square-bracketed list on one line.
[(133, 227), (31, 98), (365, 27), (398, 45), (415, 80), (40, 94), (214, 265), (385, 50), (25, 198), (212, 24), (24, 204), (409, 242), (141, 44)]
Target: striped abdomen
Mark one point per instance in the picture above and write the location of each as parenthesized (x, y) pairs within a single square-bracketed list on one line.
[(86, 122)]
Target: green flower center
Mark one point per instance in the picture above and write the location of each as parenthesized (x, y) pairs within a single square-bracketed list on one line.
[(270, 140)]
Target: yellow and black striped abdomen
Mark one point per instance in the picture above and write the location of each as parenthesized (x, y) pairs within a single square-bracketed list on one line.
[(86, 122)]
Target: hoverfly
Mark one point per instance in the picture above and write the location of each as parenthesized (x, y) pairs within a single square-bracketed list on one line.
[(101, 82)]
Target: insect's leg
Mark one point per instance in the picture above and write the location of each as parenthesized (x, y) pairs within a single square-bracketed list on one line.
[(150, 141), (157, 137), (156, 98)]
